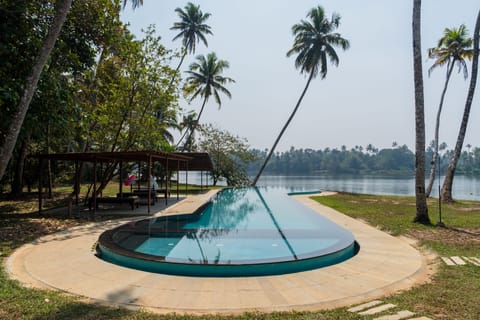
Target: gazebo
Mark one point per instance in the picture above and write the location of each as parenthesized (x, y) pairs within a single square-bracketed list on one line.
[(170, 161)]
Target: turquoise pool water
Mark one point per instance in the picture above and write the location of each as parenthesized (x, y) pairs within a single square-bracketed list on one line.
[(241, 232)]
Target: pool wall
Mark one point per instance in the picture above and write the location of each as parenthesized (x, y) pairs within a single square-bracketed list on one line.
[(212, 270)]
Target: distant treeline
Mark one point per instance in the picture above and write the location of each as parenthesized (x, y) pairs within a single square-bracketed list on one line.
[(398, 160)]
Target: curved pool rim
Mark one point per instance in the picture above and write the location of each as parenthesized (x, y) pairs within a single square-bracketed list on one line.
[(109, 250)]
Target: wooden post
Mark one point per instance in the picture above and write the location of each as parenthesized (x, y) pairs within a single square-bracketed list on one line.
[(40, 181), (149, 172), (186, 178), (94, 193), (178, 178), (120, 184), (166, 185), (77, 183)]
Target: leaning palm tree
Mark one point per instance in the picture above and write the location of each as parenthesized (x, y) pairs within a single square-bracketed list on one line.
[(452, 49), (205, 79), (421, 215), (315, 42), (448, 182), (192, 29)]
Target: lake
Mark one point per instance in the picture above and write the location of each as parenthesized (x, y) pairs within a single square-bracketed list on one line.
[(464, 187)]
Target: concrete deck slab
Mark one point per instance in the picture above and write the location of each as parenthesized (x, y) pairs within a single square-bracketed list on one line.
[(65, 261)]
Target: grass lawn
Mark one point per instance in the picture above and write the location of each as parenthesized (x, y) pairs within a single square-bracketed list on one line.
[(451, 294)]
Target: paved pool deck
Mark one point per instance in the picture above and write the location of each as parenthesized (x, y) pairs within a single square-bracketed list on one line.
[(65, 261)]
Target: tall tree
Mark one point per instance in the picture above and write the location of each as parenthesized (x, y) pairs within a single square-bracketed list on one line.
[(421, 200), (192, 29), (315, 42), (205, 79), (8, 143), (448, 182), (452, 49)]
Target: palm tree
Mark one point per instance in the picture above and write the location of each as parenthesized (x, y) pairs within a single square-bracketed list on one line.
[(135, 3), (448, 182), (205, 79), (192, 29), (315, 42), (188, 122), (420, 198), (452, 49)]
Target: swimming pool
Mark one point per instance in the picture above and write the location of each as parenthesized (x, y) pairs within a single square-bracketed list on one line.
[(240, 232)]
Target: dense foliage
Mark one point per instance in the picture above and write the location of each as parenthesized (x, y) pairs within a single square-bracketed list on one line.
[(398, 160)]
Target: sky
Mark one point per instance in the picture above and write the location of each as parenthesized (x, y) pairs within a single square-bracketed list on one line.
[(367, 99)]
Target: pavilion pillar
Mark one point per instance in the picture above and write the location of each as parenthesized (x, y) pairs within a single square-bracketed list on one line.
[(94, 193), (149, 182), (40, 182), (77, 183), (120, 184), (167, 178), (186, 178), (178, 178)]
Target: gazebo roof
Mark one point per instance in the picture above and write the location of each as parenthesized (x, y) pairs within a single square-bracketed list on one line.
[(199, 161), (195, 161)]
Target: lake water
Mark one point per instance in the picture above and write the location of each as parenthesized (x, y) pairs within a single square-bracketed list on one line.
[(464, 187)]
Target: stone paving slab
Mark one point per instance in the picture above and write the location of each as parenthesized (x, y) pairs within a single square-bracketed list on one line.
[(404, 314), (458, 260), (375, 310), (365, 306), (64, 261), (448, 261)]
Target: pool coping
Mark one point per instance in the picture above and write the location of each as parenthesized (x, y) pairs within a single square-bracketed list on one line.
[(384, 265)]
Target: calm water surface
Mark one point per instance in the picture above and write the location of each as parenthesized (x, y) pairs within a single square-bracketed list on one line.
[(464, 187)]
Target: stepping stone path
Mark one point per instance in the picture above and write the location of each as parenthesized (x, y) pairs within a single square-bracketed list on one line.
[(375, 307), (461, 261)]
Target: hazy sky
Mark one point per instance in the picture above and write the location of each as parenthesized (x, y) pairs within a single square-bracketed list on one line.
[(368, 98)]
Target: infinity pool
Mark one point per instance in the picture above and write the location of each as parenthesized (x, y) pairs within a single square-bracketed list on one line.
[(241, 232)]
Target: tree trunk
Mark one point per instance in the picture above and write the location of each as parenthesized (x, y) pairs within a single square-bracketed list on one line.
[(6, 149), (421, 200), (433, 163), (177, 70), (17, 185), (452, 166), (272, 150)]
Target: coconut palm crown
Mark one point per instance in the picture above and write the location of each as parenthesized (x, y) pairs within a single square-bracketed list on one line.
[(315, 42), (205, 79), (453, 48), (192, 26)]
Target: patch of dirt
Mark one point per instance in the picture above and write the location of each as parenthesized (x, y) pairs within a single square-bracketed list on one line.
[(16, 231), (471, 209), (448, 235)]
